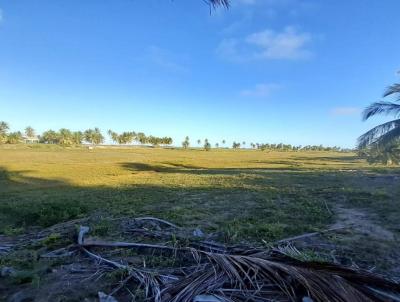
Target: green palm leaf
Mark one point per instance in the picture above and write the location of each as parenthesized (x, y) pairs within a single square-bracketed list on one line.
[(381, 108), (389, 132), (389, 137), (216, 3), (377, 134), (393, 90)]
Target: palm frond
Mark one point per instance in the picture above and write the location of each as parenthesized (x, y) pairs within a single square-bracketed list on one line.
[(375, 133), (388, 138), (258, 276), (279, 278), (381, 108), (216, 3), (393, 90)]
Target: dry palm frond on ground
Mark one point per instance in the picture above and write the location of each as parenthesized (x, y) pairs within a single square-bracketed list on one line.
[(202, 270)]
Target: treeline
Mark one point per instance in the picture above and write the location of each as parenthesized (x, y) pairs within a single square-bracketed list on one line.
[(67, 137), (7, 137), (289, 147), (140, 137), (263, 147), (94, 136)]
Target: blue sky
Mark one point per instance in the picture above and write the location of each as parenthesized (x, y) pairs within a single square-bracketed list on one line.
[(292, 71)]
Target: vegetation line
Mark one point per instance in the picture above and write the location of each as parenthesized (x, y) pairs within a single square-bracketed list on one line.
[(66, 137)]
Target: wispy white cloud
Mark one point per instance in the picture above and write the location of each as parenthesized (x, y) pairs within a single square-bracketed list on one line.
[(267, 45), (287, 44), (345, 111), (260, 90)]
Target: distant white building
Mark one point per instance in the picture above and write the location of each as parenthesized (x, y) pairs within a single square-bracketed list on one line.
[(30, 140)]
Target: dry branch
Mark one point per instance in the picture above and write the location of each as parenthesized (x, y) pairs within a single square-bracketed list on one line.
[(93, 243)]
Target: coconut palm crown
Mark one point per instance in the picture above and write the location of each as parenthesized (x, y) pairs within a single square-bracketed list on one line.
[(386, 133)]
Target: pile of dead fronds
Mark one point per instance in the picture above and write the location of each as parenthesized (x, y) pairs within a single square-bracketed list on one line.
[(202, 270)]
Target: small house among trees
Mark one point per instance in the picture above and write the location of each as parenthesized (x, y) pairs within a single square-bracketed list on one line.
[(30, 139)]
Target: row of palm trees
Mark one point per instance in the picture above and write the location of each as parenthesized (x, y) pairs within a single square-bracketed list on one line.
[(94, 136), (280, 147), (129, 137), (67, 137)]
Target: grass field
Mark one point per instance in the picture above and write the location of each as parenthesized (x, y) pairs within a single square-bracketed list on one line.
[(240, 196), (244, 194)]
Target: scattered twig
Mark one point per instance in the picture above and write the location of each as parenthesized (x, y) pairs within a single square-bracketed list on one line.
[(92, 243), (101, 259), (327, 207), (121, 285), (307, 235)]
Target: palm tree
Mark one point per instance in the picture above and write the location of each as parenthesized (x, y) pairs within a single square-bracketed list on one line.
[(141, 138), (167, 140), (186, 142), (77, 137), (65, 137), (49, 137), (207, 145), (126, 137), (94, 136), (98, 137), (113, 135), (3, 127), (235, 145), (14, 137), (386, 133), (199, 141), (29, 131), (3, 131), (223, 142)]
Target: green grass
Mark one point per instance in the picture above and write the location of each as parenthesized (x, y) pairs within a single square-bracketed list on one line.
[(240, 194)]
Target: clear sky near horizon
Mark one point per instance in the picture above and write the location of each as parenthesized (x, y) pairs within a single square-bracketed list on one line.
[(292, 71)]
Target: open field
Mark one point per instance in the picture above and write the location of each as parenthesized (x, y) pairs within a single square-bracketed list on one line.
[(249, 195), (241, 195)]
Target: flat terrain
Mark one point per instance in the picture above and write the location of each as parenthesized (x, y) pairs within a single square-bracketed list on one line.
[(241, 195)]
